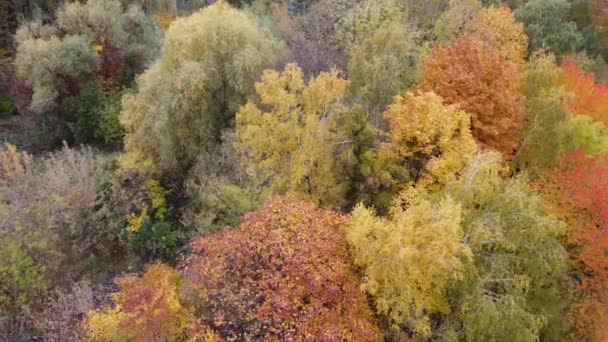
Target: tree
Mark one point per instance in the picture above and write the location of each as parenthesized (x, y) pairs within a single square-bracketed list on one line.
[(545, 114), (582, 132), (293, 135), (426, 257), (427, 143), (498, 27), (583, 180), (146, 308), (284, 274), (588, 98), (208, 66), (365, 18), (95, 39), (453, 21), (382, 66), (516, 286), (53, 210), (546, 26), (474, 76), (22, 281)]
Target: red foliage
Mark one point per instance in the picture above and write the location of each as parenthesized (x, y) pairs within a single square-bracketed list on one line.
[(484, 84), (585, 181), (588, 98), (585, 184), (283, 274), (111, 62)]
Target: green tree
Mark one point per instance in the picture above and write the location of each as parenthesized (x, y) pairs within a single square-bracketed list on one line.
[(516, 286), (96, 38), (365, 18), (207, 69), (545, 106), (546, 24), (382, 66), (581, 131), (22, 281)]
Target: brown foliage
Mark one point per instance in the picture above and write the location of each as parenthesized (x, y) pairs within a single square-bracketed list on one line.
[(484, 84), (283, 274)]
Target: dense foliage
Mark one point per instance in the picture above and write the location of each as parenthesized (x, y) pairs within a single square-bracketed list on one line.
[(473, 75), (333, 170), (284, 273), (208, 66)]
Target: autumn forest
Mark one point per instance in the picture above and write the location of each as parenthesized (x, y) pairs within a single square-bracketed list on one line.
[(303, 170)]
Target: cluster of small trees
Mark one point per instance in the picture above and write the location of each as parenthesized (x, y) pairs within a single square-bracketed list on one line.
[(304, 170)]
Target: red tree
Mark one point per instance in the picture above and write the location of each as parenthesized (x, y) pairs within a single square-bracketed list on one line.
[(284, 274), (588, 97), (484, 84), (585, 184)]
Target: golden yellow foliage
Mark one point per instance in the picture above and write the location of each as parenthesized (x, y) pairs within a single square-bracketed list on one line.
[(13, 163), (291, 134), (498, 27), (409, 260), (426, 135)]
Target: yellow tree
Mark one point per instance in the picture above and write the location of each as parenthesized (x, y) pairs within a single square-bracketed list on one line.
[(427, 142), (291, 134), (410, 260), (498, 27)]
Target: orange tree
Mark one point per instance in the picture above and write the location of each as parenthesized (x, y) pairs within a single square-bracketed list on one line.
[(484, 84), (283, 274), (584, 181), (147, 308), (588, 98)]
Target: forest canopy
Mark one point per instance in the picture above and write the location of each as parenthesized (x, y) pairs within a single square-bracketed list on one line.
[(326, 170)]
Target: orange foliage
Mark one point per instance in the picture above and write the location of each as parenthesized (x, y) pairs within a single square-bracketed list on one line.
[(585, 189), (484, 84), (164, 20), (283, 274), (147, 308), (588, 98)]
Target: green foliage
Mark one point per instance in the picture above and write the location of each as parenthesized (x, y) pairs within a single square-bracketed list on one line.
[(382, 66), (515, 288), (546, 24), (109, 121), (6, 106), (21, 279), (22, 282), (95, 38), (365, 18), (150, 233), (581, 131), (545, 105), (91, 102), (219, 190), (423, 244), (453, 21), (208, 66), (70, 61)]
